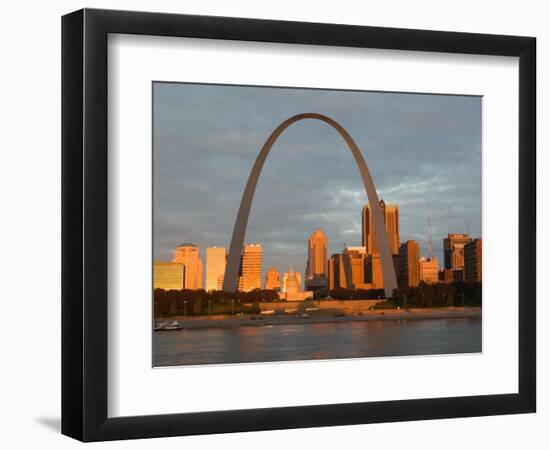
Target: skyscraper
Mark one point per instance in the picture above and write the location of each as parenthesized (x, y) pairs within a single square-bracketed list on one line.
[(409, 255), (391, 222), (339, 272), (215, 266), (272, 280), (316, 269), (354, 269), (336, 273), (354, 259), (189, 256), (373, 272), (453, 250), (472, 261), (250, 276)]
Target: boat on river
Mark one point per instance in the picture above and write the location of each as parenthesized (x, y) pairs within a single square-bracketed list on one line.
[(174, 325)]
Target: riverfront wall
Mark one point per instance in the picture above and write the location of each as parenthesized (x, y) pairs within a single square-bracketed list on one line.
[(345, 306)]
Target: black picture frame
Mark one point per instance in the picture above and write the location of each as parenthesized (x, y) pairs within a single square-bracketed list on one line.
[(84, 224)]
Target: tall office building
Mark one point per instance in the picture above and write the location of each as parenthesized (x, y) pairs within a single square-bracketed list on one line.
[(354, 269), (354, 260), (453, 250), (215, 266), (364, 271), (337, 277), (189, 256), (409, 255), (272, 280), (316, 268), (429, 270), (339, 273), (250, 276), (167, 275), (373, 272), (472, 261), (391, 223)]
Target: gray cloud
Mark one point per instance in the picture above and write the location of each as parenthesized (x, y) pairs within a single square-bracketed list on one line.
[(423, 151)]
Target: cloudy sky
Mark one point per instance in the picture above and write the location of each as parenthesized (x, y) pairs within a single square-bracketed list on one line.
[(423, 152)]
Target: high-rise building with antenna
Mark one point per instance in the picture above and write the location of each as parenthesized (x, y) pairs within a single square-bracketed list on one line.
[(429, 267)]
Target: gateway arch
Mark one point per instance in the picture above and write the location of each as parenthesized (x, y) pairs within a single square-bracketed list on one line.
[(239, 230)]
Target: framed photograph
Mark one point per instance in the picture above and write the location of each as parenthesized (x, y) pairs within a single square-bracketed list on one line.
[(273, 224)]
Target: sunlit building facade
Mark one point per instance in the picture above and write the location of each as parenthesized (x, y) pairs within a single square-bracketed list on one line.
[(373, 272), (316, 266), (285, 279), (338, 277), (272, 279), (216, 258), (250, 276), (428, 270), (220, 282), (409, 273), (472, 261), (167, 275), (291, 288), (453, 250), (391, 223), (355, 267), (189, 256)]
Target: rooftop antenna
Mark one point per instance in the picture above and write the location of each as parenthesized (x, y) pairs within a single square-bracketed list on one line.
[(430, 246), (468, 228)]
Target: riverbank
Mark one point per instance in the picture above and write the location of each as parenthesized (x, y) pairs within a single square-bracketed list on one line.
[(322, 317)]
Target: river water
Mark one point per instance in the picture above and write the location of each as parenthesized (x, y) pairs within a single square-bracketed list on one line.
[(316, 341)]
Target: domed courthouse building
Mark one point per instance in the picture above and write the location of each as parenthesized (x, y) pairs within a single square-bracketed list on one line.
[(291, 289)]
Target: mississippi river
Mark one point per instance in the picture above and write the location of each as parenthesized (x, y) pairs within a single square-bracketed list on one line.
[(291, 342)]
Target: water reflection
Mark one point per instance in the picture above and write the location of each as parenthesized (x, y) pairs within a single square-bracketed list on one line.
[(317, 341)]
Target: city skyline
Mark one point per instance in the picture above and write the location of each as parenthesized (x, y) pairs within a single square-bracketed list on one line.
[(363, 269), (291, 202)]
